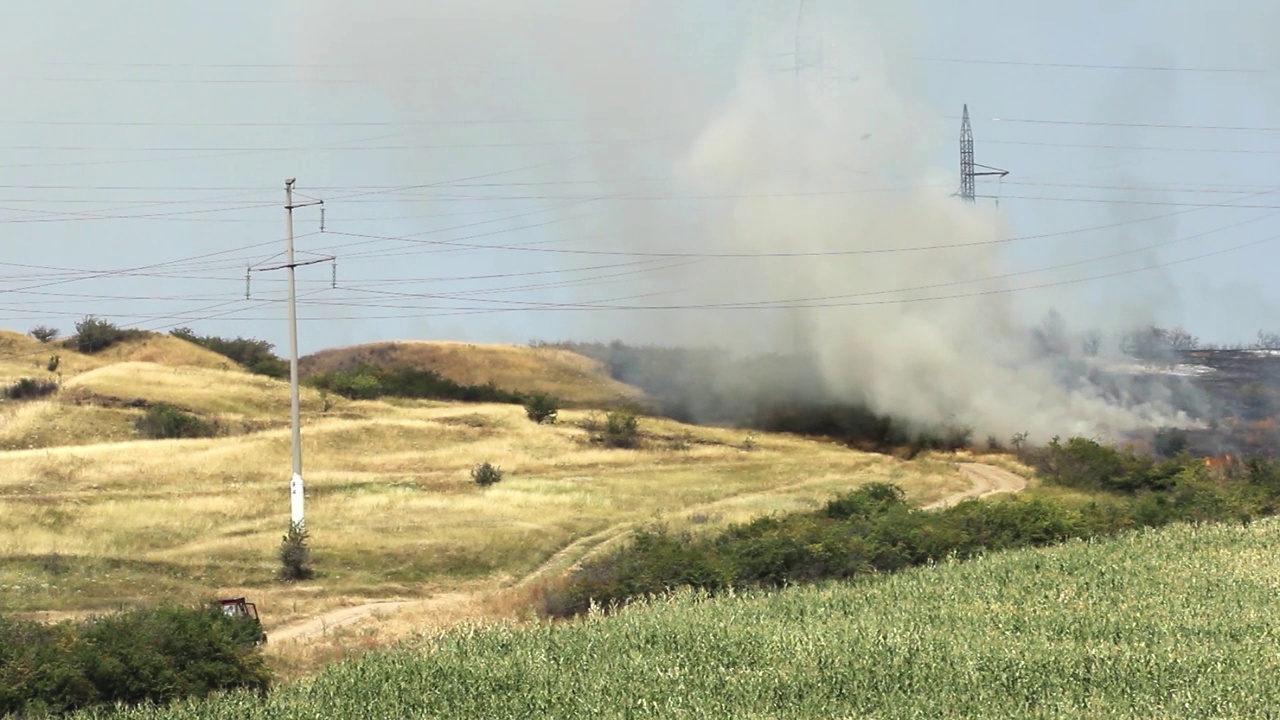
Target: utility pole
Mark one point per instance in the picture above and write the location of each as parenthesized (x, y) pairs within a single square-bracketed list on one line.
[(297, 497), (968, 173)]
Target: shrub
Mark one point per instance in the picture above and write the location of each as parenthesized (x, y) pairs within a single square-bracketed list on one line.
[(28, 388), (486, 474), (621, 429), (1169, 442), (872, 529), (44, 333), (352, 385), (166, 422), (295, 554), (148, 655), (95, 335), (256, 356), (368, 382), (541, 408)]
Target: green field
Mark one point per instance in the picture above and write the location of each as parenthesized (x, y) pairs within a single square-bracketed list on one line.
[(1173, 623)]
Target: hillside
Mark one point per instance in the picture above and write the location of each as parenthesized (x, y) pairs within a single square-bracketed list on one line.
[(391, 506), (575, 379), (1172, 623), (103, 394)]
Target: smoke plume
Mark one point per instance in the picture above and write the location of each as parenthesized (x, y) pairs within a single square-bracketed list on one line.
[(809, 192)]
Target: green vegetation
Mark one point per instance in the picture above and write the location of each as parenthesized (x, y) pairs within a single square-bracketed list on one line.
[(873, 530), (621, 428), (44, 333), (368, 382), (541, 408), (95, 335), (165, 422), (30, 388), (295, 554), (152, 655), (256, 356), (486, 474), (1156, 624)]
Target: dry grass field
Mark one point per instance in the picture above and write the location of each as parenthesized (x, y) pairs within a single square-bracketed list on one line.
[(93, 518), (575, 379)]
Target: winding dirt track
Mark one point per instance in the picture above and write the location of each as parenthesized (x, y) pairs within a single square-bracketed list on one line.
[(987, 480)]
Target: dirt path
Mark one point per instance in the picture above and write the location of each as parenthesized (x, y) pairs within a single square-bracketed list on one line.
[(987, 480), (333, 619)]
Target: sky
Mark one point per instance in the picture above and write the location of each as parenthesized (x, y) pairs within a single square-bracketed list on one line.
[(505, 171)]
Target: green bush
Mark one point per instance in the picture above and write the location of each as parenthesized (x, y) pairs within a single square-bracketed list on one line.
[(28, 388), (95, 335), (486, 474), (295, 554), (256, 356), (44, 333), (621, 429), (541, 408), (147, 655), (872, 529), (165, 422), (1089, 465), (368, 382)]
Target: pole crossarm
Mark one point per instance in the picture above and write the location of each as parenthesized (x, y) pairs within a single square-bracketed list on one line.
[(304, 263)]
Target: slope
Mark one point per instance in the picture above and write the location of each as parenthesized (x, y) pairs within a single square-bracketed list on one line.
[(391, 507), (573, 378), (102, 395), (1171, 623)]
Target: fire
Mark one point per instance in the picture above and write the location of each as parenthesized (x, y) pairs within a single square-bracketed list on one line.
[(1221, 461)]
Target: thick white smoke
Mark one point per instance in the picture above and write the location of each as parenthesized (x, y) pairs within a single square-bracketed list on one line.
[(803, 171)]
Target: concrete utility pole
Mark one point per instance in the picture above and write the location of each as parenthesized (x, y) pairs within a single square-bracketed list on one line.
[(297, 497)]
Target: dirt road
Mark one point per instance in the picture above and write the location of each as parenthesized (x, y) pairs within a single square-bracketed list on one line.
[(987, 480)]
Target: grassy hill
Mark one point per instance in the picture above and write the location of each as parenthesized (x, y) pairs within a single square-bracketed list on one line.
[(103, 394), (391, 506), (1171, 623), (574, 378)]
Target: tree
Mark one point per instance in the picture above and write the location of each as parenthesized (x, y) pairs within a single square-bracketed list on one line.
[(1051, 334), (1267, 341), (1180, 339), (94, 335), (1091, 344), (542, 408), (44, 333)]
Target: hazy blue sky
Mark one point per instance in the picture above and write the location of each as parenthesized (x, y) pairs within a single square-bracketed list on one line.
[(158, 136)]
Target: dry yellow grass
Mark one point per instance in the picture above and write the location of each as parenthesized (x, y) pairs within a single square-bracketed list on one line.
[(94, 406), (165, 350), (92, 517), (573, 378), (390, 504), (200, 389), (22, 356)]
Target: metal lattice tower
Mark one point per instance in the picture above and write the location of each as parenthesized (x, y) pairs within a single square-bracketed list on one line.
[(968, 168), (968, 188)]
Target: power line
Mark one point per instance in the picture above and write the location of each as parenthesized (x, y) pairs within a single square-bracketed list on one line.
[(460, 242), (1148, 125), (1147, 148), (1127, 201), (1090, 66)]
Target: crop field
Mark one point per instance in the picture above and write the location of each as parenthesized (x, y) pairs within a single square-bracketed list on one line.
[(1172, 623)]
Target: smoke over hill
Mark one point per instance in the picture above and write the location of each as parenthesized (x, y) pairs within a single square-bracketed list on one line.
[(804, 216)]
